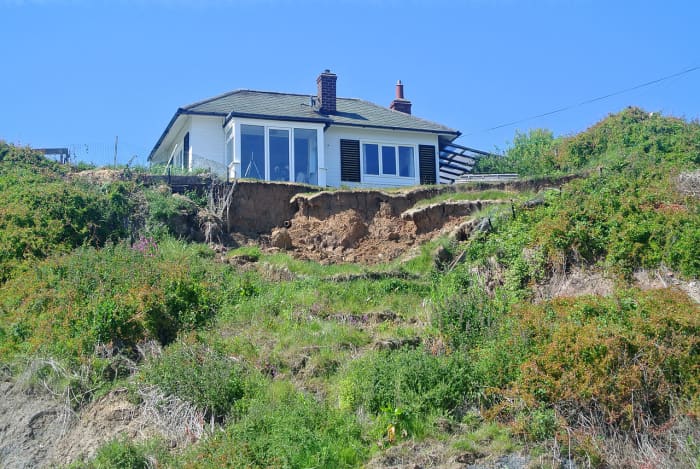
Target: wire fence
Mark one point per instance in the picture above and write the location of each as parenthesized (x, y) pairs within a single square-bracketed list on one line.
[(105, 154)]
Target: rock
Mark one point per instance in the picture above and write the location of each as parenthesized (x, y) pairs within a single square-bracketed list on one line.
[(463, 230), (395, 344), (441, 256), (281, 239), (532, 203), (484, 226)]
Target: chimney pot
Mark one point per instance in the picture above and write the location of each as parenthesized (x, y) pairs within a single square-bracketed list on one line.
[(399, 90), (400, 103)]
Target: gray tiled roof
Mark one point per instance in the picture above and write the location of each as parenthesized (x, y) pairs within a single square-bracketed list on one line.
[(283, 106)]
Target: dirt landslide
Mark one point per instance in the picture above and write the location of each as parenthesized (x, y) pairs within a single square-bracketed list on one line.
[(354, 226), (359, 235)]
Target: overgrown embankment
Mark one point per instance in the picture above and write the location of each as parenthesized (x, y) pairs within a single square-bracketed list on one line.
[(464, 353)]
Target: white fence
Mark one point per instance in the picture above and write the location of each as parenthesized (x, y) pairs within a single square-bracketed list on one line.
[(487, 178)]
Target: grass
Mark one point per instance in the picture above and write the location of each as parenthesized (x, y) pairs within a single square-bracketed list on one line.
[(294, 372), (475, 195), (489, 438)]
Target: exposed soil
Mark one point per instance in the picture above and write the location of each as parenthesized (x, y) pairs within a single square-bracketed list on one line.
[(38, 430), (689, 183), (30, 423), (374, 236)]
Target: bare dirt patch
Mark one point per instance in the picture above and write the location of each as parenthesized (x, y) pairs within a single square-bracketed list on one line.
[(577, 281), (37, 429), (689, 183), (378, 234)]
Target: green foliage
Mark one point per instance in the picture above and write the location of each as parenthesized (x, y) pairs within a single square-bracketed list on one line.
[(122, 453), (626, 215), (532, 154), (462, 312), (287, 429), (412, 380), (630, 132), (169, 214), (625, 360), (116, 296), (41, 212), (200, 375)]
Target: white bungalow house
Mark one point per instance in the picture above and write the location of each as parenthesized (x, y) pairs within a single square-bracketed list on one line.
[(322, 140)]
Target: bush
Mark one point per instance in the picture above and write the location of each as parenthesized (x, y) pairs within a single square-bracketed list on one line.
[(170, 215), (411, 380), (625, 361), (463, 312), (120, 454), (204, 377), (115, 297), (287, 429), (44, 213)]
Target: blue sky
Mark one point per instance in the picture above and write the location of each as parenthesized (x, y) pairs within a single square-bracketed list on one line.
[(78, 73)]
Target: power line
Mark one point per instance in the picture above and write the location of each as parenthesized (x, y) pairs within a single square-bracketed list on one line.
[(589, 101)]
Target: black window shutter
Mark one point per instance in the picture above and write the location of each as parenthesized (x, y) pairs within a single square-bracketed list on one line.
[(426, 164), (350, 160)]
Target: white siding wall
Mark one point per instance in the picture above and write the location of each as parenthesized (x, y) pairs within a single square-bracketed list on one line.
[(332, 152), (207, 144)]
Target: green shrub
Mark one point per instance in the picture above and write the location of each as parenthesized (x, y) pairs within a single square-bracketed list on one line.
[(169, 215), (44, 213), (625, 361), (195, 373), (116, 296), (120, 454), (287, 429), (412, 380), (463, 312)]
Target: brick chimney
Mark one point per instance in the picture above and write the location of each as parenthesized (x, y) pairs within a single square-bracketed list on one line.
[(400, 104), (326, 91)]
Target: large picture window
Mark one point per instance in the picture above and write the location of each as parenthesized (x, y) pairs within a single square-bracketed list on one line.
[(276, 153), (388, 160)]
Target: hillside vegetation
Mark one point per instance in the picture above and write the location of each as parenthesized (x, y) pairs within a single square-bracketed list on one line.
[(289, 363)]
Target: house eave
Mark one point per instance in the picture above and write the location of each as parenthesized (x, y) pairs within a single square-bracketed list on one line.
[(451, 134), (178, 113), (245, 115)]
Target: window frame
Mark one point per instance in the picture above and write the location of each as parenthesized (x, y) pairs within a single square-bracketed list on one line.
[(236, 125), (380, 156)]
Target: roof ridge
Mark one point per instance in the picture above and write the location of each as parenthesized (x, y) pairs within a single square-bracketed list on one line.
[(239, 90), (407, 115)]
